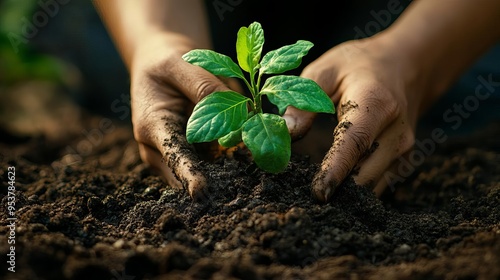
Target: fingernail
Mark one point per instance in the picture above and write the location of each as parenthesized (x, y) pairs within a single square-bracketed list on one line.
[(329, 188), (323, 185), (290, 122)]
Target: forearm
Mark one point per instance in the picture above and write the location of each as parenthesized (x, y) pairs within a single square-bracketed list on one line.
[(133, 22), (445, 37)]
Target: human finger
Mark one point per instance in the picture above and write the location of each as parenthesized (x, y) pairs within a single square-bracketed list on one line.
[(364, 112), (193, 81), (154, 158), (298, 121), (400, 169), (394, 141), (164, 131)]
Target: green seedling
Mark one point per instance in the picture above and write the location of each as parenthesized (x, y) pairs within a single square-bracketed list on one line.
[(231, 117)]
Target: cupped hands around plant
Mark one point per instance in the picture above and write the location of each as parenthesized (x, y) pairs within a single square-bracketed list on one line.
[(230, 117)]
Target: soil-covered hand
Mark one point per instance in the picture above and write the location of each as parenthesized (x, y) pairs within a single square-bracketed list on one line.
[(379, 84), (163, 90), (152, 36), (377, 106)]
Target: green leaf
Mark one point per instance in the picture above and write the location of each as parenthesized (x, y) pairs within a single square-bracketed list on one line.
[(301, 93), (249, 45), (232, 139), (267, 137), (214, 62), (285, 58), (216, 115)]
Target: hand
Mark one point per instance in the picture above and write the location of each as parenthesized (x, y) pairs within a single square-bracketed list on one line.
[(377, 99), (163, 91)]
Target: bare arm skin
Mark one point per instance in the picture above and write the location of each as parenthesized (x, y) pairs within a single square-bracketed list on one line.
[(133, 23), (151, 36), (382, 84)]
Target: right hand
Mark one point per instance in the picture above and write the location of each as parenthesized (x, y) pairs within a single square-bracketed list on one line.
[(164, 89), (378, 102)]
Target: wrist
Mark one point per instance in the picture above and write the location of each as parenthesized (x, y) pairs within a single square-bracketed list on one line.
[(156, 48), (440, 40)]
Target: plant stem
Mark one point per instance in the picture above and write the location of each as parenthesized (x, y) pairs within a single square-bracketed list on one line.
[(254, 89), (258, 104)]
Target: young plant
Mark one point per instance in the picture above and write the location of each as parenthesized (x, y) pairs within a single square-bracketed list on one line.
[(231, 117)]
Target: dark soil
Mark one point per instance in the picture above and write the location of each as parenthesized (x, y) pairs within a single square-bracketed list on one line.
[(106, 215)]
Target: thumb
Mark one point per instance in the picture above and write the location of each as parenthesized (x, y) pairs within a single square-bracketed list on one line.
[(298, 121), (194, 81)]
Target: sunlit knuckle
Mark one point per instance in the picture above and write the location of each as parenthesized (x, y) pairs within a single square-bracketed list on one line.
[(383, 103), (205, 87)]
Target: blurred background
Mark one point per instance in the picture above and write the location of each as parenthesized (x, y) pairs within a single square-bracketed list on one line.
[(60, 77), (64, 44), (58, 64)]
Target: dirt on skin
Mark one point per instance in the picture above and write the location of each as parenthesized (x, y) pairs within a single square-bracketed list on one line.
[(106, 215)]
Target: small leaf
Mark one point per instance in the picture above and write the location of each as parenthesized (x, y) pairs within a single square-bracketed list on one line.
[(214, 62), (267, 137), (285, 58), (232, 139), (301, 93), (216, 115), (249, 45)]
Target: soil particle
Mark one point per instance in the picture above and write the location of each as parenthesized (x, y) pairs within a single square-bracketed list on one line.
[(348, 106)]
